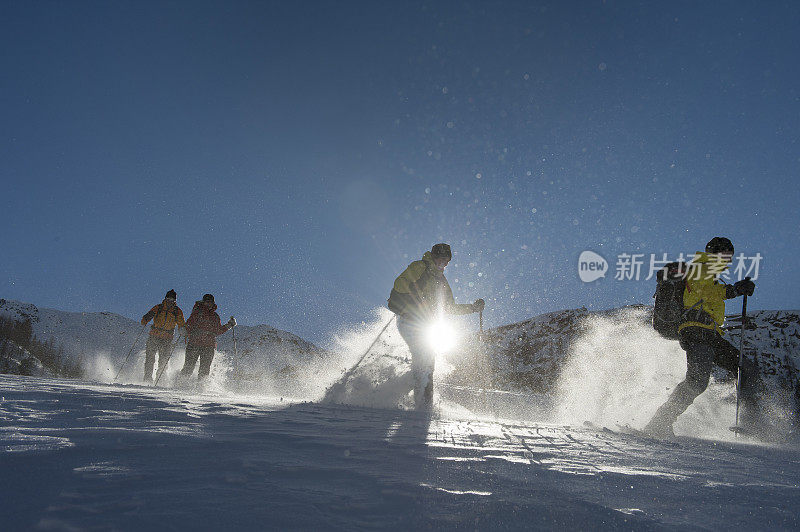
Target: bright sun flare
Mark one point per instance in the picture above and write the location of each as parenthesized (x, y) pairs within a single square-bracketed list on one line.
[(441, 337)]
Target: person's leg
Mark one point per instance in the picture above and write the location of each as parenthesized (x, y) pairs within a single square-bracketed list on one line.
[(699, 359), (164, 350), (422, 361), (422, 366), (150, 358), (206, 357), (725, 354), (192, 354)]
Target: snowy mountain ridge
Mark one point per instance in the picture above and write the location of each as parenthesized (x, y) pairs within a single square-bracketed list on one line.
[(102, 340), (530, 354)]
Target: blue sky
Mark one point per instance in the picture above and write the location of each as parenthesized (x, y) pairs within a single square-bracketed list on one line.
[(292, 159)]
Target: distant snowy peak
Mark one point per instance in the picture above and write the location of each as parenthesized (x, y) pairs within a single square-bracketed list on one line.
[(18, 311), (87, 335), (264, 335), (774, 336), (528, 355)]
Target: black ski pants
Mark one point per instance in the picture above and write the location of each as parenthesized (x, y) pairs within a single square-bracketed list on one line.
[(704, 348), (194, 352)]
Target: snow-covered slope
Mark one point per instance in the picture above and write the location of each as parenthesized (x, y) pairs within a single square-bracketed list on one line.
[(589, 360), (18, 361), (81, 456), (84, 336), (264, 356)]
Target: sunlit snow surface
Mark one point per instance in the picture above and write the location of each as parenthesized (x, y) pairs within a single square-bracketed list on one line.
[(97, 456)]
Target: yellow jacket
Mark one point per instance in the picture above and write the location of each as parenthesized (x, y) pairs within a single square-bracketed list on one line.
[(704, 296), (421, 290), (164, 321)]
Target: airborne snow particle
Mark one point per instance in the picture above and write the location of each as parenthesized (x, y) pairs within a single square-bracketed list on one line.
[(602, 66), (478, 175)]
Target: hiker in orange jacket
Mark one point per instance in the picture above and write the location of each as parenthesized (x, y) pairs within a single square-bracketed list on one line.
[(166, 317)]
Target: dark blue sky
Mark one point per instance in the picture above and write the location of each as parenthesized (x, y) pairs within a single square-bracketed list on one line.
[(293, 157)]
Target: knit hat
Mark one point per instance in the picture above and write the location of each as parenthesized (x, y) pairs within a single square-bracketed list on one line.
[(719, 244), (208, 297), (171, 295), (441, 250)]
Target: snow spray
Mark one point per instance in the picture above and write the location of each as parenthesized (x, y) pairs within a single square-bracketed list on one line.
[(620, 370)]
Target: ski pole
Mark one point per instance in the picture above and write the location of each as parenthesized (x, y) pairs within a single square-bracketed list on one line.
[(130, 352), (233, 332), (360, 360), (741, 357), (483, 358), (163, 367), (486, 367)]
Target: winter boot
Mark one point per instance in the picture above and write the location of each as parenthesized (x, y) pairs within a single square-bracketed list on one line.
[(659, 430), (661, 424)]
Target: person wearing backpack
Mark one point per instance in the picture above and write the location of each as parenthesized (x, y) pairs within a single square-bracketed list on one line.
[(166, 317), (202, 329), (419, 294), (699, 329)]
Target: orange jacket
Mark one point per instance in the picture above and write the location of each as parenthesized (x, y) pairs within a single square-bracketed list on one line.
[(164, 320)]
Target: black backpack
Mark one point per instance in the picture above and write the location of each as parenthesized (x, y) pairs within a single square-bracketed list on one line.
[(668, 311)]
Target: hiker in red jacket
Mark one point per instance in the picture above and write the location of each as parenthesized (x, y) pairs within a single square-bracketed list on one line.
[(202, 329)]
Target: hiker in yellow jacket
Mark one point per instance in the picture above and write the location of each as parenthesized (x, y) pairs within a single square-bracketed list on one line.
[(419, 294), (166, 316), (700, 335)]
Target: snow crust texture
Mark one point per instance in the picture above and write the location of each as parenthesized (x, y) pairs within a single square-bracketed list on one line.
[(82, 456)]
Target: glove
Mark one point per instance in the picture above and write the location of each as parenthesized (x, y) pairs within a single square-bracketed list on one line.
[(479, 305), (232, 322), (745, 287)]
